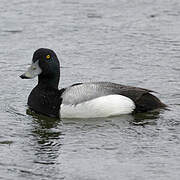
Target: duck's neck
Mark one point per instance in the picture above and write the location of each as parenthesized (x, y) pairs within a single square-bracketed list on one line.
[(48, 82)]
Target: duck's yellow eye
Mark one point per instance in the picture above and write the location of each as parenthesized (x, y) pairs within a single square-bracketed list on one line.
[(48, 56)]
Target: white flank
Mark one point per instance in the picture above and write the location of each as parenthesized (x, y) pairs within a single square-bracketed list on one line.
[(105, 106)]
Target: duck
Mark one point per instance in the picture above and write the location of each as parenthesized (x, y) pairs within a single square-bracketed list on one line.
[(82, 100)]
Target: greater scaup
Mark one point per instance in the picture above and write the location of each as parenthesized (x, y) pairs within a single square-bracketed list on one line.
[(82, 100)]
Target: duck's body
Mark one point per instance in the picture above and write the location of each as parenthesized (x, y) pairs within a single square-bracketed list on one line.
[(94, 100), (82, 100)]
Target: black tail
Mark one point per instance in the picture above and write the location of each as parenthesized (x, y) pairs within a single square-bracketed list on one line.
[(148, 102)]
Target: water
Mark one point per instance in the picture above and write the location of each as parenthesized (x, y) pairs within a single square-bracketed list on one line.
[(129, 42)]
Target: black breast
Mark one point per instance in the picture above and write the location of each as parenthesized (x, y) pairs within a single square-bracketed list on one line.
[(45, 101)]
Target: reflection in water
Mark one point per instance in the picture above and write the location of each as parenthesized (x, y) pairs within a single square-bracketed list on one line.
[(47, 138), (136, 119), (146, 118), (101, 137)]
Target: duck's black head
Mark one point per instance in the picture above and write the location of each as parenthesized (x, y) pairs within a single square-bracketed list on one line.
[(45, 65)]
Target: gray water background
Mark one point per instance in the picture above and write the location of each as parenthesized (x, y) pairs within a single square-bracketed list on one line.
[(129, 42)]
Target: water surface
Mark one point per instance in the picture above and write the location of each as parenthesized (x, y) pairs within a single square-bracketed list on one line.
[(129, 42)]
